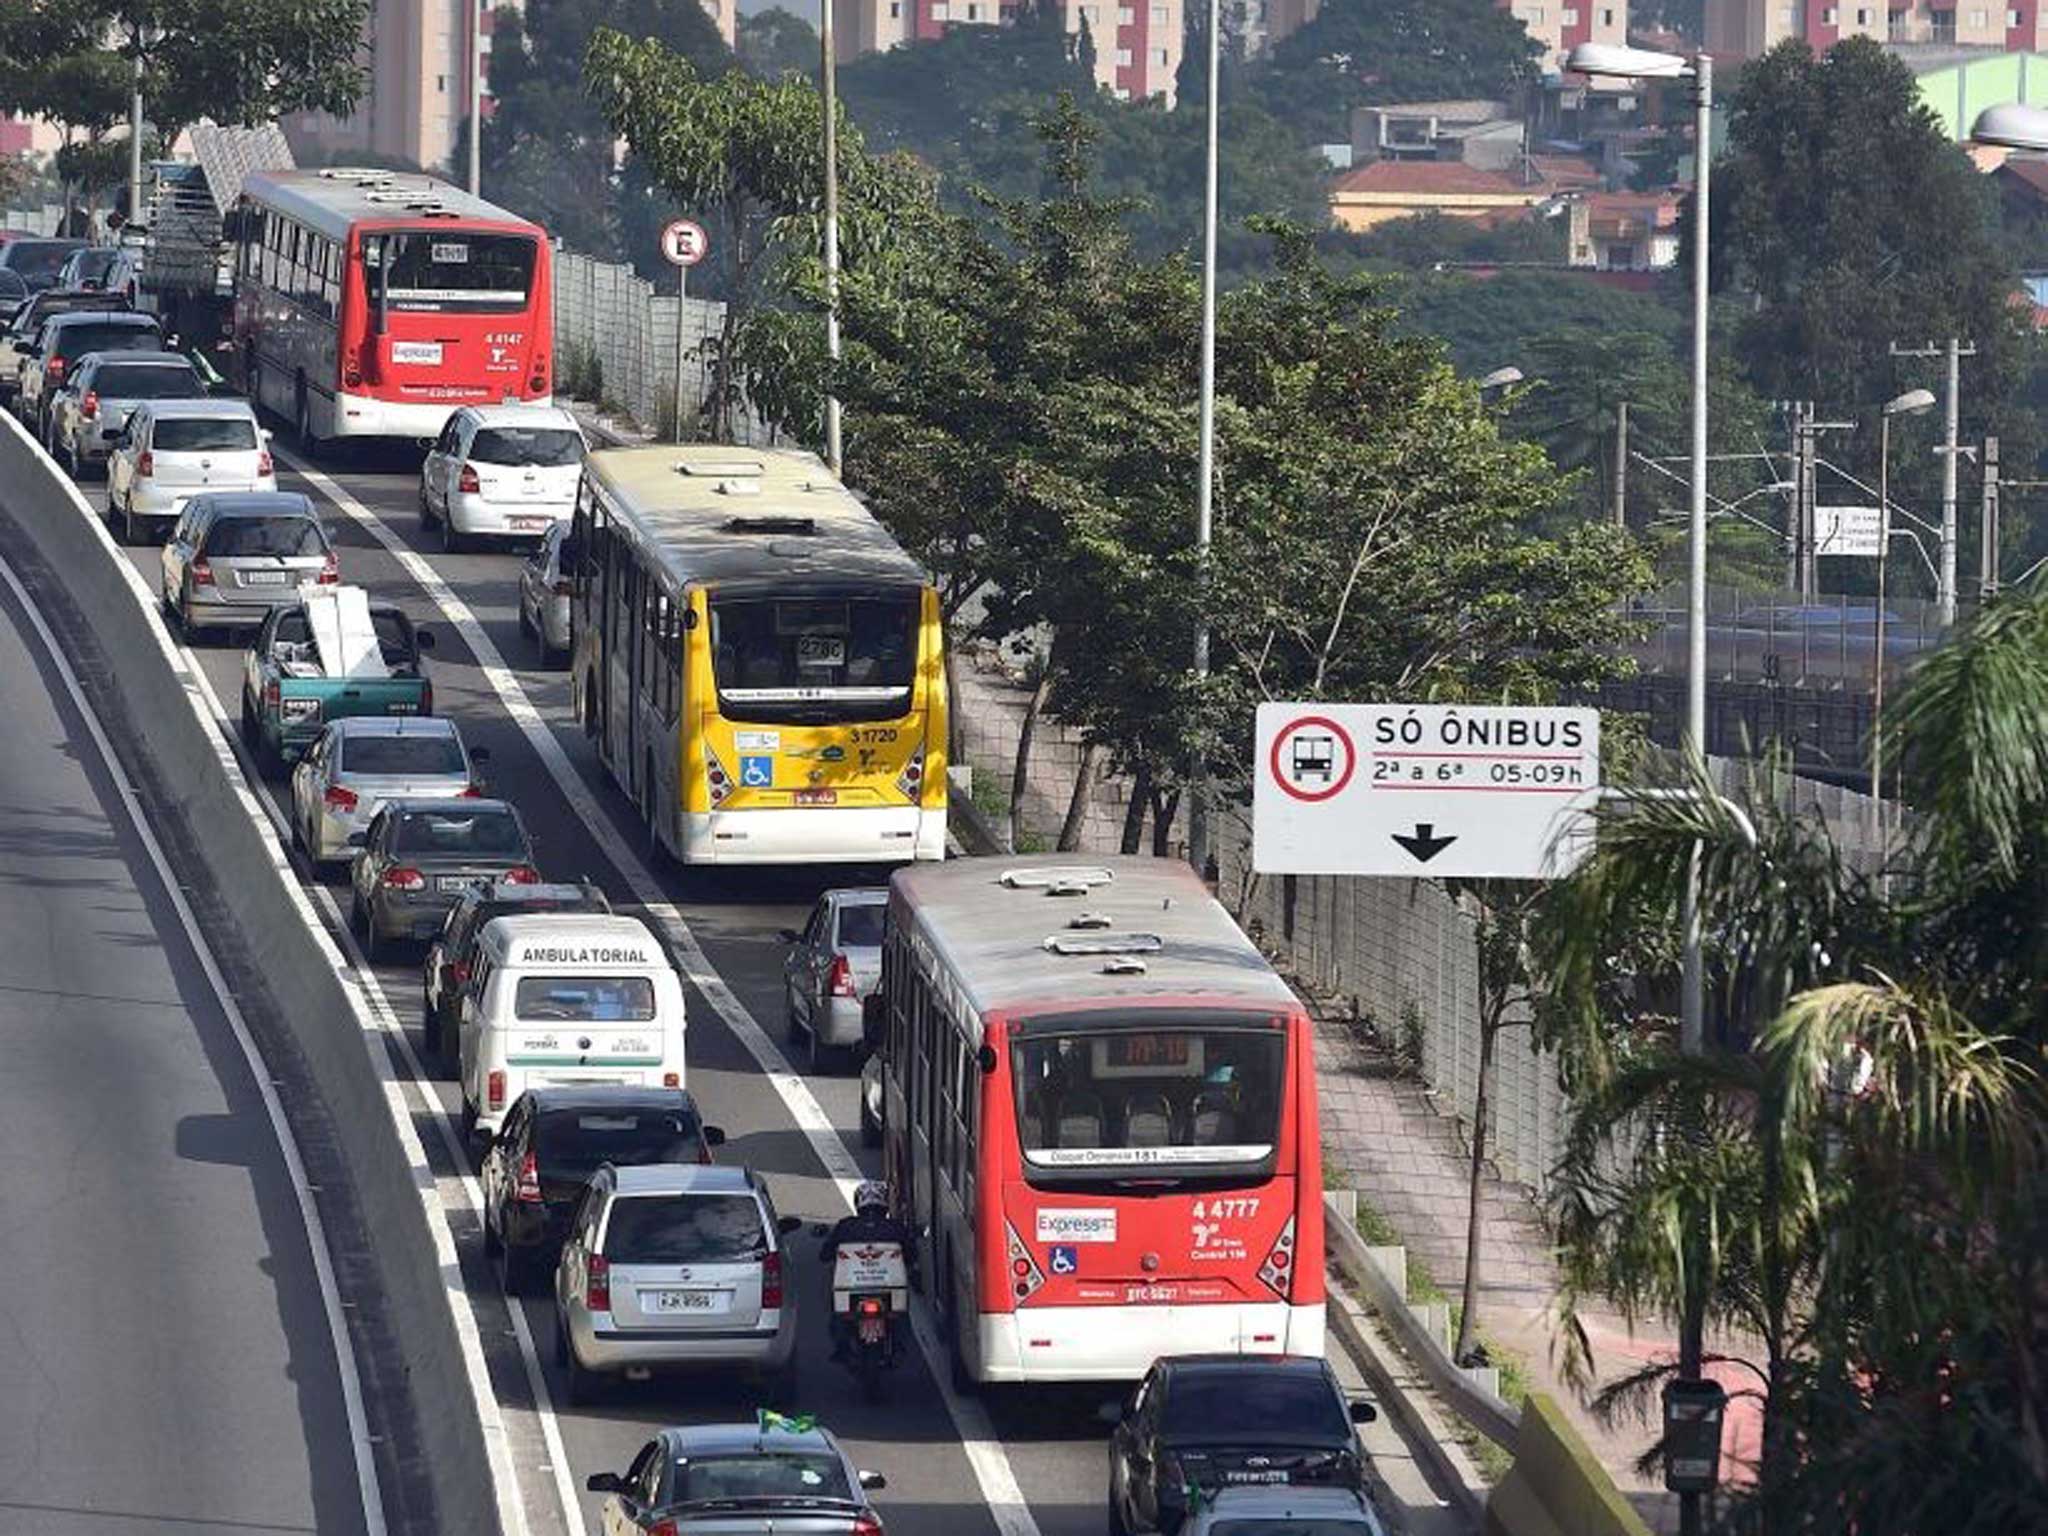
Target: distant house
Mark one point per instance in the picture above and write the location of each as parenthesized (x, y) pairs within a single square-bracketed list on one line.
[(1487, 134), (1624, 231), (1385, 190)]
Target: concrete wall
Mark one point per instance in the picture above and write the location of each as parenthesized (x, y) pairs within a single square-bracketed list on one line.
[(1557, 1486)]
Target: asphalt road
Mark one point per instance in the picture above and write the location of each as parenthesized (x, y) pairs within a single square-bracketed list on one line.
[(942, 1476), (166, 1358)]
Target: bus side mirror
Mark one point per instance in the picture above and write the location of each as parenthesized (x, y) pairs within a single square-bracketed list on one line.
[(874, 1020)]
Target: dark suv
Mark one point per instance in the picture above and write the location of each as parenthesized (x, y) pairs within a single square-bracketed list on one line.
[(450, 954), (1218, 1421)]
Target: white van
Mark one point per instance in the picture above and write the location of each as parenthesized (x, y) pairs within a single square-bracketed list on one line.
[(561, 997)]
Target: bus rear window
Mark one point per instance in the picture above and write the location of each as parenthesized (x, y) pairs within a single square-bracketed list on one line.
[(449, 271), (842, 657)]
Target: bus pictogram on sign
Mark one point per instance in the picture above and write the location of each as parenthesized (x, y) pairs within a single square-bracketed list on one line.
[(1313, 758)]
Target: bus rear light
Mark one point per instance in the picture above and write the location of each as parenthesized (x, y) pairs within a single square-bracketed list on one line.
[(538, 384), (911, 780), (352, 370), (1025, 1275), (715, 776), (1278, 1270)]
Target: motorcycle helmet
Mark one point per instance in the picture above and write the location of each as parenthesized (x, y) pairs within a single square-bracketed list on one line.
[(872, 1197)]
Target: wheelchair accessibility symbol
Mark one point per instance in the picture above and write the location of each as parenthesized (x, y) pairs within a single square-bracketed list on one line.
[(757, 772), (1066, 1259)]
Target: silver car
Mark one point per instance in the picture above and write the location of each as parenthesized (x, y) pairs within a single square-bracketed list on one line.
[(833, 964), (544, 597), (231, 559), (360, 763), (674, 1265), (88, 413), (767, 1478)]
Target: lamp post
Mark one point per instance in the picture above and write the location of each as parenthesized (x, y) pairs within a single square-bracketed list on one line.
[(1911, 403), (1642, 64), (1205, 434), (828, 79)]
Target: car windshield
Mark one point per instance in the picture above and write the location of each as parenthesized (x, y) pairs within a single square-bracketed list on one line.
[(38, 261), (448, 271), (1161, 1097), (478, 834), (250, 537), (805, 658), (589, 999), (521, 447), (102, 336), (89, 268), (685, 1229), (139, 381), (770, 1475), (424, 755), (860, 927), (1287, 1525), (574, 1142), (1275, 1407), (203, 434)]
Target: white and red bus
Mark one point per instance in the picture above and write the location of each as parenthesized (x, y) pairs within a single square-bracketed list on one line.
[(1100, 1107), (374, 303)]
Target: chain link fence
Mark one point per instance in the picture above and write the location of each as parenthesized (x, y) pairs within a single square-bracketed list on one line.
[(1829, 641)]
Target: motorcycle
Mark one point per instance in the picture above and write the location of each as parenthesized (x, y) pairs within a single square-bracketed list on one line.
[(871, 1302)]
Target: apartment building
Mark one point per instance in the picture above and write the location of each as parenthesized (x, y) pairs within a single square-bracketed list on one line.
[(1137, 44), (1559, 26), (1746, 28)]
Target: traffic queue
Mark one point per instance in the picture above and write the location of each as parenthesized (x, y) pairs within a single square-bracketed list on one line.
[(563, 1023)]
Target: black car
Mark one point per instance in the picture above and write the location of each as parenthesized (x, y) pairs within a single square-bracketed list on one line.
[(1217, 1421), (27, 324), (554, 1139), (449, 956), (38, 262), (419, 856)]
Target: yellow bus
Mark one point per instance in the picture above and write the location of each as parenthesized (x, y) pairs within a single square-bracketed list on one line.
[(760, 665)]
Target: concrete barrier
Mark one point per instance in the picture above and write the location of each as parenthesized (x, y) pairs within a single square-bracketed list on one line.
[(1557, 1486), (168, 717)]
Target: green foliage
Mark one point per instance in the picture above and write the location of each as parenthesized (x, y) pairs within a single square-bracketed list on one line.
[(1425, 242), (775, 42)]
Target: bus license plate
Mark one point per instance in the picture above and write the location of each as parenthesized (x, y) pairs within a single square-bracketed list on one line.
[(686, 1301), (817, 797)]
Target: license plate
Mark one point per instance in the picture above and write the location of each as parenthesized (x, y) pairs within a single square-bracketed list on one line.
[(688, 1301), (457, 883), (299, 709), (1255, 1477), (817, 797), (401, 709), (531, 524), (263, 578), (428, 352)]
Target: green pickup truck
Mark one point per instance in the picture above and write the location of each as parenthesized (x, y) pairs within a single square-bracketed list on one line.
[(329, 656)]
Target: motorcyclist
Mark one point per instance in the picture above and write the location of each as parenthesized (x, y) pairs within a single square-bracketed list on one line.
[(871, 1222)]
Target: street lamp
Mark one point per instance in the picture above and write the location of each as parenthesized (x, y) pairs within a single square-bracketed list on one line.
[(1205, 432), (2011, 125), (1498, 380), (1911, 403)]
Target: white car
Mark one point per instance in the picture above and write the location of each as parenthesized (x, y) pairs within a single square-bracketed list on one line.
[(501, 471), (834, 963), (363, 761), (544, 597), (173, 450)]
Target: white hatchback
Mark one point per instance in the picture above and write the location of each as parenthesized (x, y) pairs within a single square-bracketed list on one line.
[(173, 450), (501, 471)]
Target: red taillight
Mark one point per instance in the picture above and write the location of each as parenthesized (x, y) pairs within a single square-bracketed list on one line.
[(664, 1528), (494, 1089), (771, 1280), (403, 877), (467, 481), (89, 407), (202, 573), (468, 792), (460, 971), (671, 1079), (330, 569), (340, 799), (841, 982), (1278, 1270), (870, 1306), (865, 1524), (55, 370), (522, 874), (538, 384), (529, 1181), (145, 466), (270, 696), (426, 698), (597, 1285), (264, 465)]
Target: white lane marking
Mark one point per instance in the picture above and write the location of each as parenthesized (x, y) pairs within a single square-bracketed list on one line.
[(367, 1486), (446, 1128), (986, 1457)]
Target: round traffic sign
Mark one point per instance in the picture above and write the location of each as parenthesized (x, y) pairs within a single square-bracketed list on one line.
[(1313, 758), (683, 242)]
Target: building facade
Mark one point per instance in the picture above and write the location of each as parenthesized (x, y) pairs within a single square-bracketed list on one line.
[(1137, 42), (1559, 26), (1746, 28)]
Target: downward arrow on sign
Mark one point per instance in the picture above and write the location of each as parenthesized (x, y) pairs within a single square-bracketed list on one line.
[(1424, 844)]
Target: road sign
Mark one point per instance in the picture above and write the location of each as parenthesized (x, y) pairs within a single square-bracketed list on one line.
[(1847, 530), (1426, 789), (684, 242)]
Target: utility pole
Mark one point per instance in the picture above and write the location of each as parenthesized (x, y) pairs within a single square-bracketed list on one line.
[(1952, 352), (828, 69), (1621, 464), (1807, 494), (476, 106), (1987, 526), (1205, 432), (134, 220)]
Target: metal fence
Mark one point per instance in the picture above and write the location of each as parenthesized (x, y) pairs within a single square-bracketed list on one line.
[(1776, 637), (610, 322), (32, 221)]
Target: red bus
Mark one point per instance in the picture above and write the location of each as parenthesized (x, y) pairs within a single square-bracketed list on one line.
[(1099, 1106), (374, 303)]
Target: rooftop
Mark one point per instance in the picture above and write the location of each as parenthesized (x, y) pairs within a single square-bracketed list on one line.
[(1440, 178)]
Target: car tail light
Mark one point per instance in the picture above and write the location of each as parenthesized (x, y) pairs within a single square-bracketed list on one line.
[(597, 1284), (522, 874), (1278, 1270), (403, 877), (339, 799), (145, 465), (529, 1181), (911, 780), (330, 569), (841, 980), (426, 698), (771, 1280), (494, 1089), (460, 971), (55, 370), (468, 792), (664, 1528), (671, 1079), (202, 573), (866, 1524), (1025, 1275), (467, 482), (270, 691), (265, 465), (89, 407)]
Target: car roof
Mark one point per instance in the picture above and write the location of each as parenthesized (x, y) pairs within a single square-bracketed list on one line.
[(520, 416), (859, 896), (683, 1179), (610, 1096), (137, 360), (569, 925), (1266, 1364), (507, 892), (725, 1439), (132, 319), (199, 408), (396, 725), (225, 504), (449, 805)]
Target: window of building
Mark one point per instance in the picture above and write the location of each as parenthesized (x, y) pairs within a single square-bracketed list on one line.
[(1862, 16), (1607, 16), (973, 12), (1980, 19), (939, 11), (1123, 57), (2012, 19), (1788, 18), (1159, 57), (1571, 15), (1126, 16), (1158, 15), (1092, 15), (1941, 26), (441, 84), (895, 10)]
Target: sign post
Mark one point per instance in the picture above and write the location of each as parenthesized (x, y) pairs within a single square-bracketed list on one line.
[(1426, 789), (683, 244)]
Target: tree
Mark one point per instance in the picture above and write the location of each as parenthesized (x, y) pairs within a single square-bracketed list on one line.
[(775, 42)]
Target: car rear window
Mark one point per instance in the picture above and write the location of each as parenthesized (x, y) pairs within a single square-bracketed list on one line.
[(592, 999), (147, 381), (39, 261), (1274, 1406), (576, 1141), (518, 447), (90, 267), (685, 1229), (779, 1474), (861, 927), (252, 536), (482, 833), (77, 340), (423, 755), (201, 434)]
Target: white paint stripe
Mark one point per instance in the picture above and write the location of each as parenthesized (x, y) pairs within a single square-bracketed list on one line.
[(367, 1486), (985, 1454)]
